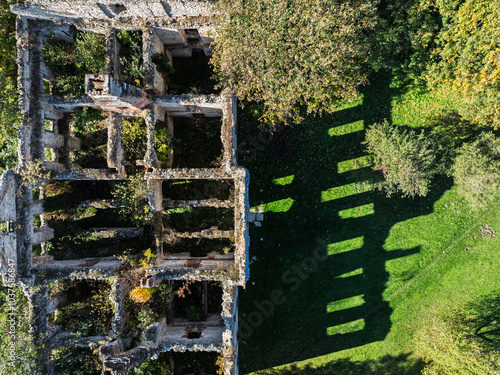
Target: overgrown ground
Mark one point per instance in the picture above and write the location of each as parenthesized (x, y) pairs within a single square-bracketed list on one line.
[(361, 275)]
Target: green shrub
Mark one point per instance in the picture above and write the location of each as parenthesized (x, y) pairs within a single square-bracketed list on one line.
[(70, 62), (10, 118), (408, 160), (162, 141), (194, 313), (162, 62), (141, 295), (76, 361), (131, 56), (476, 170), (132, 198), (405, 38), (134, 138), (90, 53), (87, 120)]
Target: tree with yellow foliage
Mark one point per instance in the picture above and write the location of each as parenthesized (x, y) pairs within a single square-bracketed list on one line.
[(467, 61), (141, 295)]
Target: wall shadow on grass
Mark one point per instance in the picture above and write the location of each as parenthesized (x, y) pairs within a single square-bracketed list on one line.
[(319, 269), (389, 365)]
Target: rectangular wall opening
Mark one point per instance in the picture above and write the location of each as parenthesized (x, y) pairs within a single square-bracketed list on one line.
[(69, 62), (131, 56), (85, 308), (194, 219), (198, 189), (197, 142), (192, 75), (91, 126), (196, 301), (199, 247), (89, 221)]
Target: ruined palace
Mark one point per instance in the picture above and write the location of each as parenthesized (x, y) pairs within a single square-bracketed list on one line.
[(154, 130)]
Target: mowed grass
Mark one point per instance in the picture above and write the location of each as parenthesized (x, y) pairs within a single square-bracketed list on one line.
[(358, 275)]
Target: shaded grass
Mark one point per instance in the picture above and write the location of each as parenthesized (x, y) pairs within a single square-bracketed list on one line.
[(358, 271)]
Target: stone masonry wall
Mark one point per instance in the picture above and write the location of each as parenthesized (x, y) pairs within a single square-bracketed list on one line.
[(175, 28)]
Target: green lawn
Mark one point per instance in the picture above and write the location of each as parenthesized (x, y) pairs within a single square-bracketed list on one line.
[(355, 275)]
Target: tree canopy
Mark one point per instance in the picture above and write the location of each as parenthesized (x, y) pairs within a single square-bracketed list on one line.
[(9, 111), (466, 61), (292, 53)]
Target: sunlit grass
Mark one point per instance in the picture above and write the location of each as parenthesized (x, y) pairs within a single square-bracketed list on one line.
[(347, 245), (283, 205), (356, 272), (418, 109), (354, 326), (346, 190), (345, 303), (360, 211), (284, 180), (358, 163), (346, 129)]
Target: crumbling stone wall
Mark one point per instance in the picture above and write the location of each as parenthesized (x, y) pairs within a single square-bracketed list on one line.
[(8, 256), (175, 28)]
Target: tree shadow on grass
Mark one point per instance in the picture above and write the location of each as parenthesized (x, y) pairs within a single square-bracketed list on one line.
[(319, 270)]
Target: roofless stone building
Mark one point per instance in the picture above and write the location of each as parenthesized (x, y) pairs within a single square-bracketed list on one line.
[(212, 256)]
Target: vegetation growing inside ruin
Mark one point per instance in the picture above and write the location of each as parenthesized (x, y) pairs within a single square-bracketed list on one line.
[(134, 139), (69, 62), (198, 189), (189, 300), (76, 361), (370, 283), (87, 310), (91, 126), (163, 141), (477, 169), (84, 213), (160, 366), (142, 313), (131, 57), (10, 116)]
